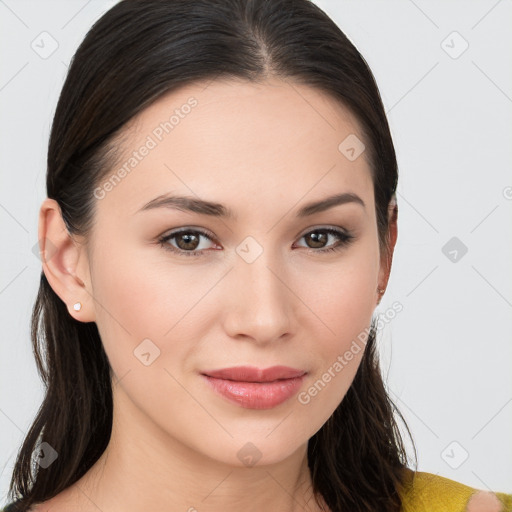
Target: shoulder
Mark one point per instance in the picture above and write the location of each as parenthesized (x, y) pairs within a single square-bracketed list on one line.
[(424, 492)]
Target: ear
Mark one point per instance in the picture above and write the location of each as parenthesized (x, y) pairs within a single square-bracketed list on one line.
[(387, 255), (64, 259)]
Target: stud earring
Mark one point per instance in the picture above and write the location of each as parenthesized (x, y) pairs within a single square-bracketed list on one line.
[(77, 306), (380, 291)]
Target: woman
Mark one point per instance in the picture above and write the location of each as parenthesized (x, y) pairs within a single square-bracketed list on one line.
[(219, 228)]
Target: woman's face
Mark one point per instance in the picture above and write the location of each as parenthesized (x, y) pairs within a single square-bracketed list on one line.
[(248, 289)]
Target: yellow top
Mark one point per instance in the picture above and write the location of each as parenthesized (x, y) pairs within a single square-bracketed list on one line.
[(434, 493)]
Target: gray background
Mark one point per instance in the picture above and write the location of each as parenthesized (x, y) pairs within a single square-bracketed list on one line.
[(447, 355)]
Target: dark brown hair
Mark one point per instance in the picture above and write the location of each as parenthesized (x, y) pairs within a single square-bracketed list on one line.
[(135, 53)]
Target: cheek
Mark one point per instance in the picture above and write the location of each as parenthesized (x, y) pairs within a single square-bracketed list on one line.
[(337, 358), (139, 299), (340, 293), (342, 297)]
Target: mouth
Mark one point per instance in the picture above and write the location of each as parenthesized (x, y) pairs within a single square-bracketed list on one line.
[(255, 388)]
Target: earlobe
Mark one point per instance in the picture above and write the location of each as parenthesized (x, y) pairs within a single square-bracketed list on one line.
[(60, 255)]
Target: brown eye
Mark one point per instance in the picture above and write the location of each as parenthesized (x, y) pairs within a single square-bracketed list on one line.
[(187, 242), (318, 238)]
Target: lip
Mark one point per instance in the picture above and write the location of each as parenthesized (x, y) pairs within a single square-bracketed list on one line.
[(253, 374), (255, 388)]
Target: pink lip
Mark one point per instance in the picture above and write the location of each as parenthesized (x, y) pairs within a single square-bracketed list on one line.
[(256, 388)]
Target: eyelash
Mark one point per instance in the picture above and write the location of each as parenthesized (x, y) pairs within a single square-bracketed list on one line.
[(345, 239)]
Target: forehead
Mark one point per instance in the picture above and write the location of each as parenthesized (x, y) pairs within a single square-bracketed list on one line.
[(239, 138)]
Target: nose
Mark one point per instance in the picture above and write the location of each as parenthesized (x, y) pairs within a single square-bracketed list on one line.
[(260, 304)]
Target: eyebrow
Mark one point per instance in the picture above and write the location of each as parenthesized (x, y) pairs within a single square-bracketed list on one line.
[(196, 205)]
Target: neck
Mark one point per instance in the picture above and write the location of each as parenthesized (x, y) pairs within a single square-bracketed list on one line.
[(144, 468)]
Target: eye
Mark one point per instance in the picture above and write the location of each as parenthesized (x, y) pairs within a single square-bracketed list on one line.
[(188, 240), (320, 236)]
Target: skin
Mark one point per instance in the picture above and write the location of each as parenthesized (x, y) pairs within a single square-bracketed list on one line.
[(484, 501), (264, 150)]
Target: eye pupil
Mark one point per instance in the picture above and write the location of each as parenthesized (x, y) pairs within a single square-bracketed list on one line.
[(187, 237), (318, 237)]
